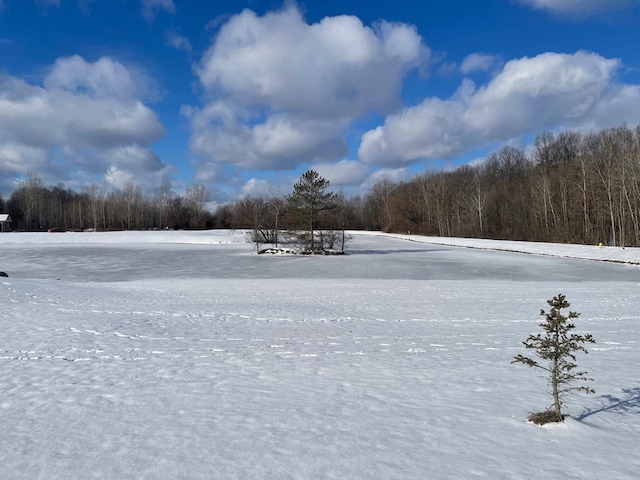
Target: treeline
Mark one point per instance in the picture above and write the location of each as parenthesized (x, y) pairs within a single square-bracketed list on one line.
[(34, 206), (568, 188)]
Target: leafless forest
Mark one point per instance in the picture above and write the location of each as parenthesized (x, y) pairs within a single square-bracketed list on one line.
[(34, 206), (569, 187)]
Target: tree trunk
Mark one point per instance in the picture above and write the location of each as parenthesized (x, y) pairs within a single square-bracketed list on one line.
[(554, 379)]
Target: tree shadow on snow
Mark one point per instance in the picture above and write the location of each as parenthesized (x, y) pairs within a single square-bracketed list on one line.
[(629, 404)]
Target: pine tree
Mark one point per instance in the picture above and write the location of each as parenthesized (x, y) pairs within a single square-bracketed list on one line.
[(557, 347), (309, 201)]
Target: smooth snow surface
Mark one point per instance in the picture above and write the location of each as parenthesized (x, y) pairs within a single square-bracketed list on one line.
[(184, 355)]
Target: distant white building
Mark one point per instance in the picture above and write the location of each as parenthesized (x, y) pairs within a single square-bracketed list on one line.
[(5, 220)]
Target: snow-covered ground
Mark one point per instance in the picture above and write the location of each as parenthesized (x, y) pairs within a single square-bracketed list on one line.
[(170, 355), (591, 252)]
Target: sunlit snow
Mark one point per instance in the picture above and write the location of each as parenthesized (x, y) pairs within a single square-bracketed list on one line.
[(171, 355)]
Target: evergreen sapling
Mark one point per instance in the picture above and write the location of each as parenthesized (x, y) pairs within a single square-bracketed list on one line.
[(557, 347)]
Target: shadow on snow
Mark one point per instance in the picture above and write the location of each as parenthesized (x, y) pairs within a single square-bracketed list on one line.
[(629, 404)]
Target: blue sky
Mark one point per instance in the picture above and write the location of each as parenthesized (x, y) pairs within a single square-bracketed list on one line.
[(244, 96)]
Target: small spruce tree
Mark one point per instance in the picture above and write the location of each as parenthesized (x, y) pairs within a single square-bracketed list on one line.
[(309, 204), (557, 347)]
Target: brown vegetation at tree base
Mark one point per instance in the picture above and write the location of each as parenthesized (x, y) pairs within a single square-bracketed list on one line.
[(548, 416), (293, 251)]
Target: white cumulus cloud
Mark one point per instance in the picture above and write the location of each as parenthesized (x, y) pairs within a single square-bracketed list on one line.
[(527, 96), (283, 91), (103, 78), (84, 115), (395, 175), (344, 172), (279, 142), (257, 187), (478, 62), (17, 157)]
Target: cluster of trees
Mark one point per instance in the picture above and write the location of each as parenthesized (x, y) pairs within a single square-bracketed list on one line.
[(34, 206), (311, 216)]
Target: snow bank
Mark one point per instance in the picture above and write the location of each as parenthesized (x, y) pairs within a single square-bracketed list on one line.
[(156, 236), (629, 255), (211, 237)]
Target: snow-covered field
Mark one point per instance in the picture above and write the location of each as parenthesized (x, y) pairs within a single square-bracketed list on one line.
[(184, 355)]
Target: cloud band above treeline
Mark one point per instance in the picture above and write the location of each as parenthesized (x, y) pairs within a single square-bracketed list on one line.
[(277, 92)]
